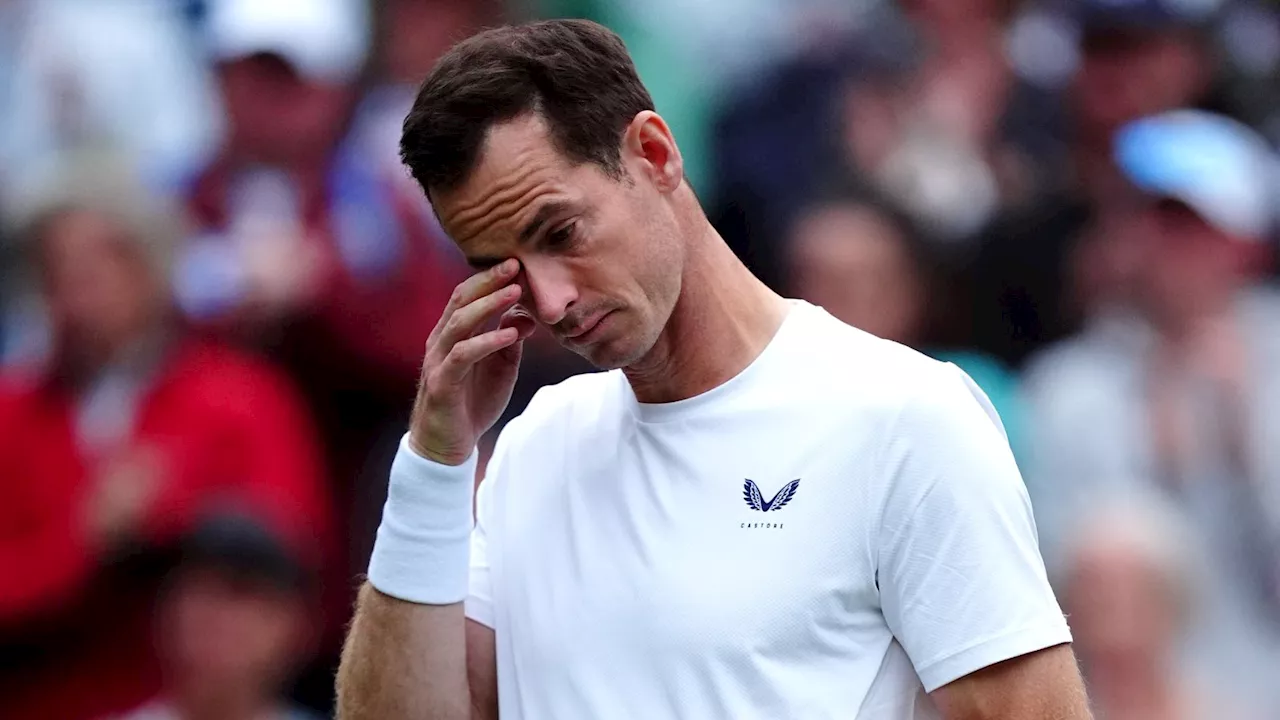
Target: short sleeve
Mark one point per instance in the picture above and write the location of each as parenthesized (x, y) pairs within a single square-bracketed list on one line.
[(484, 596), (961, 581), (479, 603)]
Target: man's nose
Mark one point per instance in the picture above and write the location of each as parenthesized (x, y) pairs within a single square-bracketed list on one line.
[(549, 291)]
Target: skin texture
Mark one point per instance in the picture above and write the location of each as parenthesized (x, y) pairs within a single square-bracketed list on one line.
[(625, 270), (1043, 685)]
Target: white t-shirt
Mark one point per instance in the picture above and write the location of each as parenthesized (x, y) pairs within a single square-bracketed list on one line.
[(830, 534)]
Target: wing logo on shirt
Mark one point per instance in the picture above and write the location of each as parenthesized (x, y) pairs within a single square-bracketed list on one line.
[(756, 501)]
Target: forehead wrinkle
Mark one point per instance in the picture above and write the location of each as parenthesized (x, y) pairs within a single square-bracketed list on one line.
[(510, 207), (500, 192), (512, 197)]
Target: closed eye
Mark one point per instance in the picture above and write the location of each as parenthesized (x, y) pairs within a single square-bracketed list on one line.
[(562, 236)]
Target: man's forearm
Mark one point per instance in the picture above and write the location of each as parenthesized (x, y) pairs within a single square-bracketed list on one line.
[(404, 660), (1043, 685)]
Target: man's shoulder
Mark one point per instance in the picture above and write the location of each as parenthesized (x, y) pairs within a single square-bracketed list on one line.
[(849, 364), (877, 382), (577, 401), (575, 391)]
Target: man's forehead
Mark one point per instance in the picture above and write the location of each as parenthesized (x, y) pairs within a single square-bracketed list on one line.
[(512, 154), (513, 157), (520, 181)]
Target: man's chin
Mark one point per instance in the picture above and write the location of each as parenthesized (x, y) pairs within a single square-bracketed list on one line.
[(599, 359), (606, 355)]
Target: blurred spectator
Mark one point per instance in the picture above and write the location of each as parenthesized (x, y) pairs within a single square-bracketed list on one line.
[(286, 72), (1173, 387), (867, 265), (949, 141), (308, 248), (411, 35), (129, 431), (1135, 59), (312, 246), (715, 49), (232, 627), (775, 138), (124, 73), (920, 102), (1130, 584), (1250, 44)]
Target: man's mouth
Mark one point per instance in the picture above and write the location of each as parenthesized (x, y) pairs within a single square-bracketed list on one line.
[(583, 329)]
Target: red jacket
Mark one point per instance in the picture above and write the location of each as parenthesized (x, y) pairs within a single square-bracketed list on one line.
[(225, 428)]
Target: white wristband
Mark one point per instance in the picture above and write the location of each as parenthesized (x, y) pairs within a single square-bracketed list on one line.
[(422, 551)]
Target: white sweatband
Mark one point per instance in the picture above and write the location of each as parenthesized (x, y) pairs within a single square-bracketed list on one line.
[(422, 551)]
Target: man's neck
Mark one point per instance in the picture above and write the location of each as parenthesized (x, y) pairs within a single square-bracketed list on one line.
[(722, 321)]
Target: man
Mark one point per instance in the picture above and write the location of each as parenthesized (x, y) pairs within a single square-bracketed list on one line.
[(1172, 389), (760, 512)]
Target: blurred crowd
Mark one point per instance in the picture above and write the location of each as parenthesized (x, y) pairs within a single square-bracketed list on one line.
[(216, 282)]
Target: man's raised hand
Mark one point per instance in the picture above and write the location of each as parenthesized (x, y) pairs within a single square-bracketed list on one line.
[(468, 372)]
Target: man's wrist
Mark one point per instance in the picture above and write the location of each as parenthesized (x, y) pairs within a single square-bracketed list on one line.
[(422, 450), (421, 551)]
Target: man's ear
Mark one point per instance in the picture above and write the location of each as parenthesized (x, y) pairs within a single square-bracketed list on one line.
[(649, 148)]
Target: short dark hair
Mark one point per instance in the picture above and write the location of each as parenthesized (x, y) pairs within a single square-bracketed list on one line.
[(576, 74)]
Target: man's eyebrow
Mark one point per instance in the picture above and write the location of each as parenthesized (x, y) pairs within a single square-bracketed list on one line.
[(543, 216)]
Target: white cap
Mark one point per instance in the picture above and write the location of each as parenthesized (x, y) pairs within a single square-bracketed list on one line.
[(1220, 168), (324, 40)]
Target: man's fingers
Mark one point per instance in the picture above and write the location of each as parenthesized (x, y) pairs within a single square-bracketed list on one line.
[(476, 287), (465, 321), (467, 353), (483, 283), (520, 319)]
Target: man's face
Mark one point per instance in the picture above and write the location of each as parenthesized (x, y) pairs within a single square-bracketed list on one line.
[(600, 258)]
